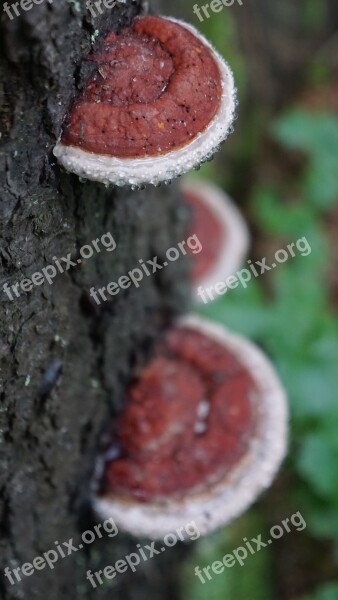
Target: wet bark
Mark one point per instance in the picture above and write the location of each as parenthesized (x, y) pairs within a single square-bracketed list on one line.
[(65, 361)]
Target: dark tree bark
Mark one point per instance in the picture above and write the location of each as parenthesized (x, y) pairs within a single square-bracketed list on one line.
[(65, 361)]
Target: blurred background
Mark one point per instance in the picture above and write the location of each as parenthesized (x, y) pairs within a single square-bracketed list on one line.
[(281, 168)]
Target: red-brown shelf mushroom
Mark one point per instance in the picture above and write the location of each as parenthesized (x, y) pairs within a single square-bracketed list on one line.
[(203, 432), (220, 228), (159, 103)]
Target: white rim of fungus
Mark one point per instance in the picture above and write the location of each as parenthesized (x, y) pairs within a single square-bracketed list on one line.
[(226, 500), (236, 237), (163, 168)]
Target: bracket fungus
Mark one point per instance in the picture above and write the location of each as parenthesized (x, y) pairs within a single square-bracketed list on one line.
[(159, 103), (221, 229), (203, 432)]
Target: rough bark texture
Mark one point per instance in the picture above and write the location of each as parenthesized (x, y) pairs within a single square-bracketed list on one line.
[(64, 360)]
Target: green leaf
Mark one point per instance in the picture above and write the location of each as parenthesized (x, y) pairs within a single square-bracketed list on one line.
[(321, 183), (326, 592), (317, 463), (314, 133), (243, 311)]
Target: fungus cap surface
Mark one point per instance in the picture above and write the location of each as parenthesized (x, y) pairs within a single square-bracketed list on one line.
[(221, 230), (223, 494), (137, 124)]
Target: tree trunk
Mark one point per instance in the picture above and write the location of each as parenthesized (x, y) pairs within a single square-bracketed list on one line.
[(65, 361)]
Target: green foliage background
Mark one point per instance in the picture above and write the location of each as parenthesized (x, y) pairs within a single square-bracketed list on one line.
[(290, 314)]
